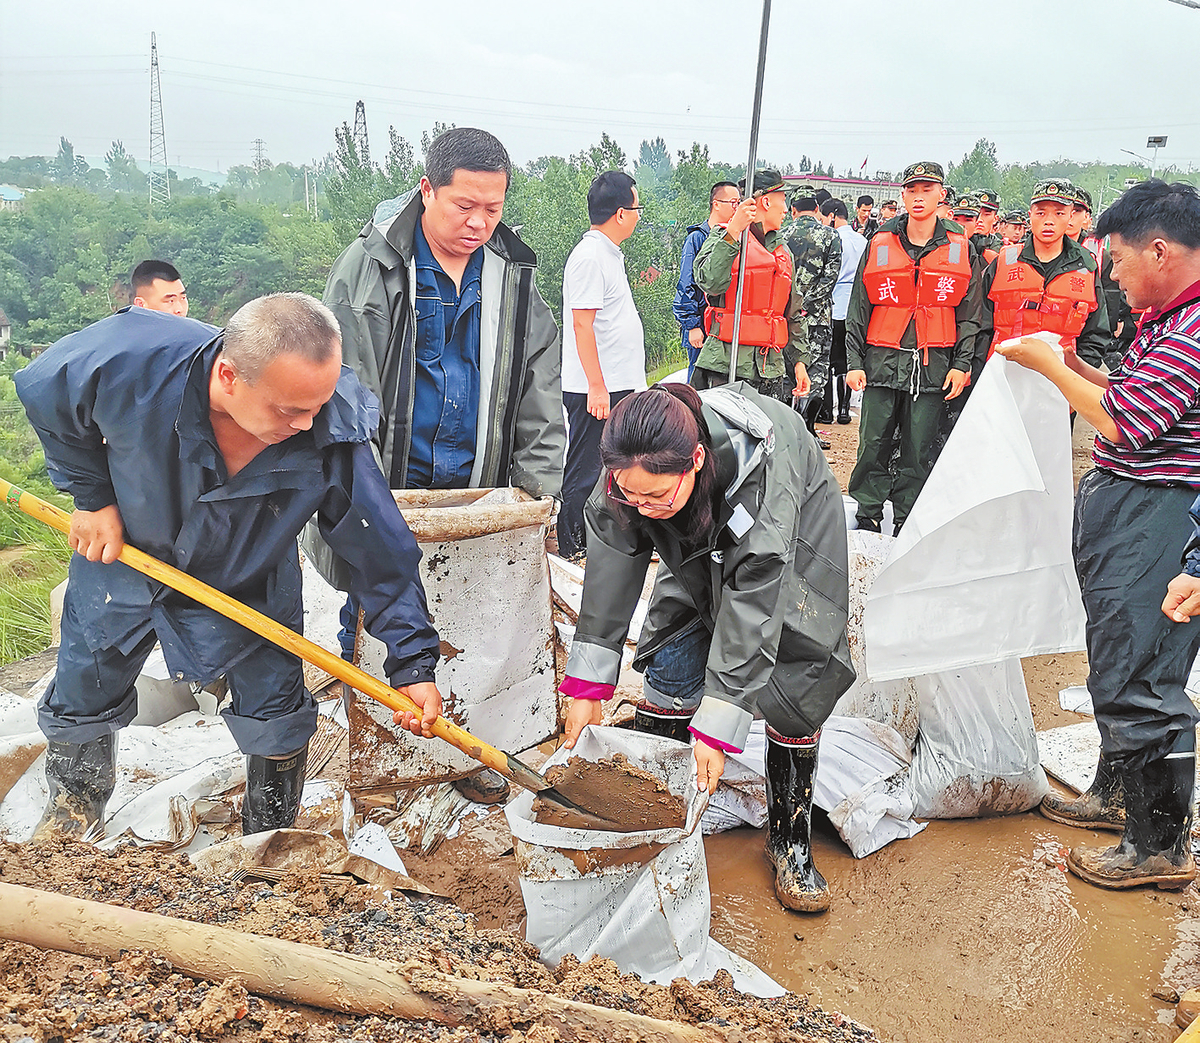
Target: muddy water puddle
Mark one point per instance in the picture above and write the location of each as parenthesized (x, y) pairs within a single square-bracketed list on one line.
[(971, 930)]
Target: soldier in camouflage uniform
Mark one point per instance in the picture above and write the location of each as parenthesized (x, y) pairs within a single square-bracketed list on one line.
[(817, 258)]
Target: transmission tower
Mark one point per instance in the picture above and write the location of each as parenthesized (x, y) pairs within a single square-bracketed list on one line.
[(260, 154), (159, 178), (361, 145)]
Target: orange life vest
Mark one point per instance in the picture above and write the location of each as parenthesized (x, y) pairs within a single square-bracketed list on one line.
[(765, 294), (900, 290), (1024, 303), (989, 255)]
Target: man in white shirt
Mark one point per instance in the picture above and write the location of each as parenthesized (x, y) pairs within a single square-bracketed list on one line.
[(604, 352), (853, 245)]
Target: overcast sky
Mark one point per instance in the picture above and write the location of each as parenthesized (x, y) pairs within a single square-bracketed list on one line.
[(888, 81)]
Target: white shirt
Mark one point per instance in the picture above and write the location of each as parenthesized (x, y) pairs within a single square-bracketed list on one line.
[(595, 278), (853, 245)]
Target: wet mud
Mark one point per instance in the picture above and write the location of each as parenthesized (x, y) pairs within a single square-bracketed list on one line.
[(610, 794), (47, 996)]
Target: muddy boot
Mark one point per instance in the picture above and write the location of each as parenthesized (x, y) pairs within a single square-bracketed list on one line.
[(670, 724), (1156, 845), (81, 777), (484, 787), (273, 789), (791, 765), (1100, 806)]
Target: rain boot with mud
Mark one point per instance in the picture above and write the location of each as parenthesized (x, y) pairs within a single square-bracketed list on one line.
[(1156, 845), (273, 789), (1100, 806), (791, 765), (670, 724), (81, 777)]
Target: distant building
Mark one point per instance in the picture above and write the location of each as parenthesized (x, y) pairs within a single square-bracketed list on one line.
[(5, 334), (11, 197), (848, 189)]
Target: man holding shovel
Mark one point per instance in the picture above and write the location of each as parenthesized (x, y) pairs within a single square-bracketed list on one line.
[(209, 450)]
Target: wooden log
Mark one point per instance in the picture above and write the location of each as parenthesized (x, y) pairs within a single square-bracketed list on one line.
[(317, 977)]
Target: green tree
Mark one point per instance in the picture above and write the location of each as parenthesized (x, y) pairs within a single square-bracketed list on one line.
[(977, 170), (68, 168), (122, 170)]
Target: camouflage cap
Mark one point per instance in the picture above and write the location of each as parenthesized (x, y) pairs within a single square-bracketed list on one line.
[(967, 204), (927, 171), (1053, 190), (1016, 217), (765, 180), (988, 200), (1083, 198)]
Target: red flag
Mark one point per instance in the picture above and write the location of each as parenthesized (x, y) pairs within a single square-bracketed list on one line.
[(864, 162)]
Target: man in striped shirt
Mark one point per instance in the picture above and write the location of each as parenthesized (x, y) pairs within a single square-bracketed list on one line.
[(1131, 517)]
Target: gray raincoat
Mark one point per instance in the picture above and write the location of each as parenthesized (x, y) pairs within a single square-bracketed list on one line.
[(771, 586)]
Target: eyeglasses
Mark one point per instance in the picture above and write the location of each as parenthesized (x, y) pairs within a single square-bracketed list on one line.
[(633, 208), (727, 202), (614, 493)]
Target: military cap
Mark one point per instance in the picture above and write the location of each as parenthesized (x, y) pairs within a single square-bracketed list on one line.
[(765, 180), (967, 204), (927, 171), (888, 204), (1053, 190), (1083, 198), (988, 200), (1016, 217)]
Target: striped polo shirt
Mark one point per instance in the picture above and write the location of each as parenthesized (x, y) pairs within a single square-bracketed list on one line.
[(1154, 399)]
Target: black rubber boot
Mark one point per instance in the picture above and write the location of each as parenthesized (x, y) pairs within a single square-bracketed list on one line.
[(484, 787), (81, 777), (843, 399), (1156, 845), (273, 789), (1100, 806), (791, 766), (670, 724)]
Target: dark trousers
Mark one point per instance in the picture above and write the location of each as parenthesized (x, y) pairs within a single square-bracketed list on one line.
[(1127, 542), (779, 388), (581, 470), (891, 418), (93, 693), (674, 681)]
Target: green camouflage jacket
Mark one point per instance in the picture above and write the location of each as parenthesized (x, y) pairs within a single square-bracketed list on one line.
[(817, 259)]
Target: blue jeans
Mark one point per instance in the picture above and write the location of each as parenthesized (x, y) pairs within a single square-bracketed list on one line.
[(674, 677)]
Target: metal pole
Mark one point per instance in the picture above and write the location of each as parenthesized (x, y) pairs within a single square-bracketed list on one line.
[(750, 164), (1154, 164)]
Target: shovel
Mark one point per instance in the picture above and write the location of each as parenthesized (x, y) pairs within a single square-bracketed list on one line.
[(289, 640)]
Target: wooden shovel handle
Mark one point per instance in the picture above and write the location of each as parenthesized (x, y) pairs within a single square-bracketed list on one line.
[(268, 628)]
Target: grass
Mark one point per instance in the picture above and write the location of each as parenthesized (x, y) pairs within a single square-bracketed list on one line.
[(665, 369), (33, 561)]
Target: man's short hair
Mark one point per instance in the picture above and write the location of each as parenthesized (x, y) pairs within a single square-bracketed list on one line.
[(145, 273), (280, 324), (712, 192), (610, 192), (1154, 209), (805, 204), (822, 195), (864, 201), (835, 208), (465, 148)]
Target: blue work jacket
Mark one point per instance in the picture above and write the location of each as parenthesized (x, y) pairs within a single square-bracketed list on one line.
[(122, 411)]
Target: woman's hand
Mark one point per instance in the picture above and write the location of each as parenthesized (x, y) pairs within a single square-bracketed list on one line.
[(710, 765), (580, 713)]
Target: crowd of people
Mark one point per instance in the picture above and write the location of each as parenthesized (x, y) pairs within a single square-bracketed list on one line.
[(434, 362)]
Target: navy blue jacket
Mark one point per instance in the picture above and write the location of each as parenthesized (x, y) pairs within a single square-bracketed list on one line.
[(1191, 553), (122, 412), (690, 302)]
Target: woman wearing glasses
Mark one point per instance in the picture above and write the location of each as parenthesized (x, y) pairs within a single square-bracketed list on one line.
[(750, 603)]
